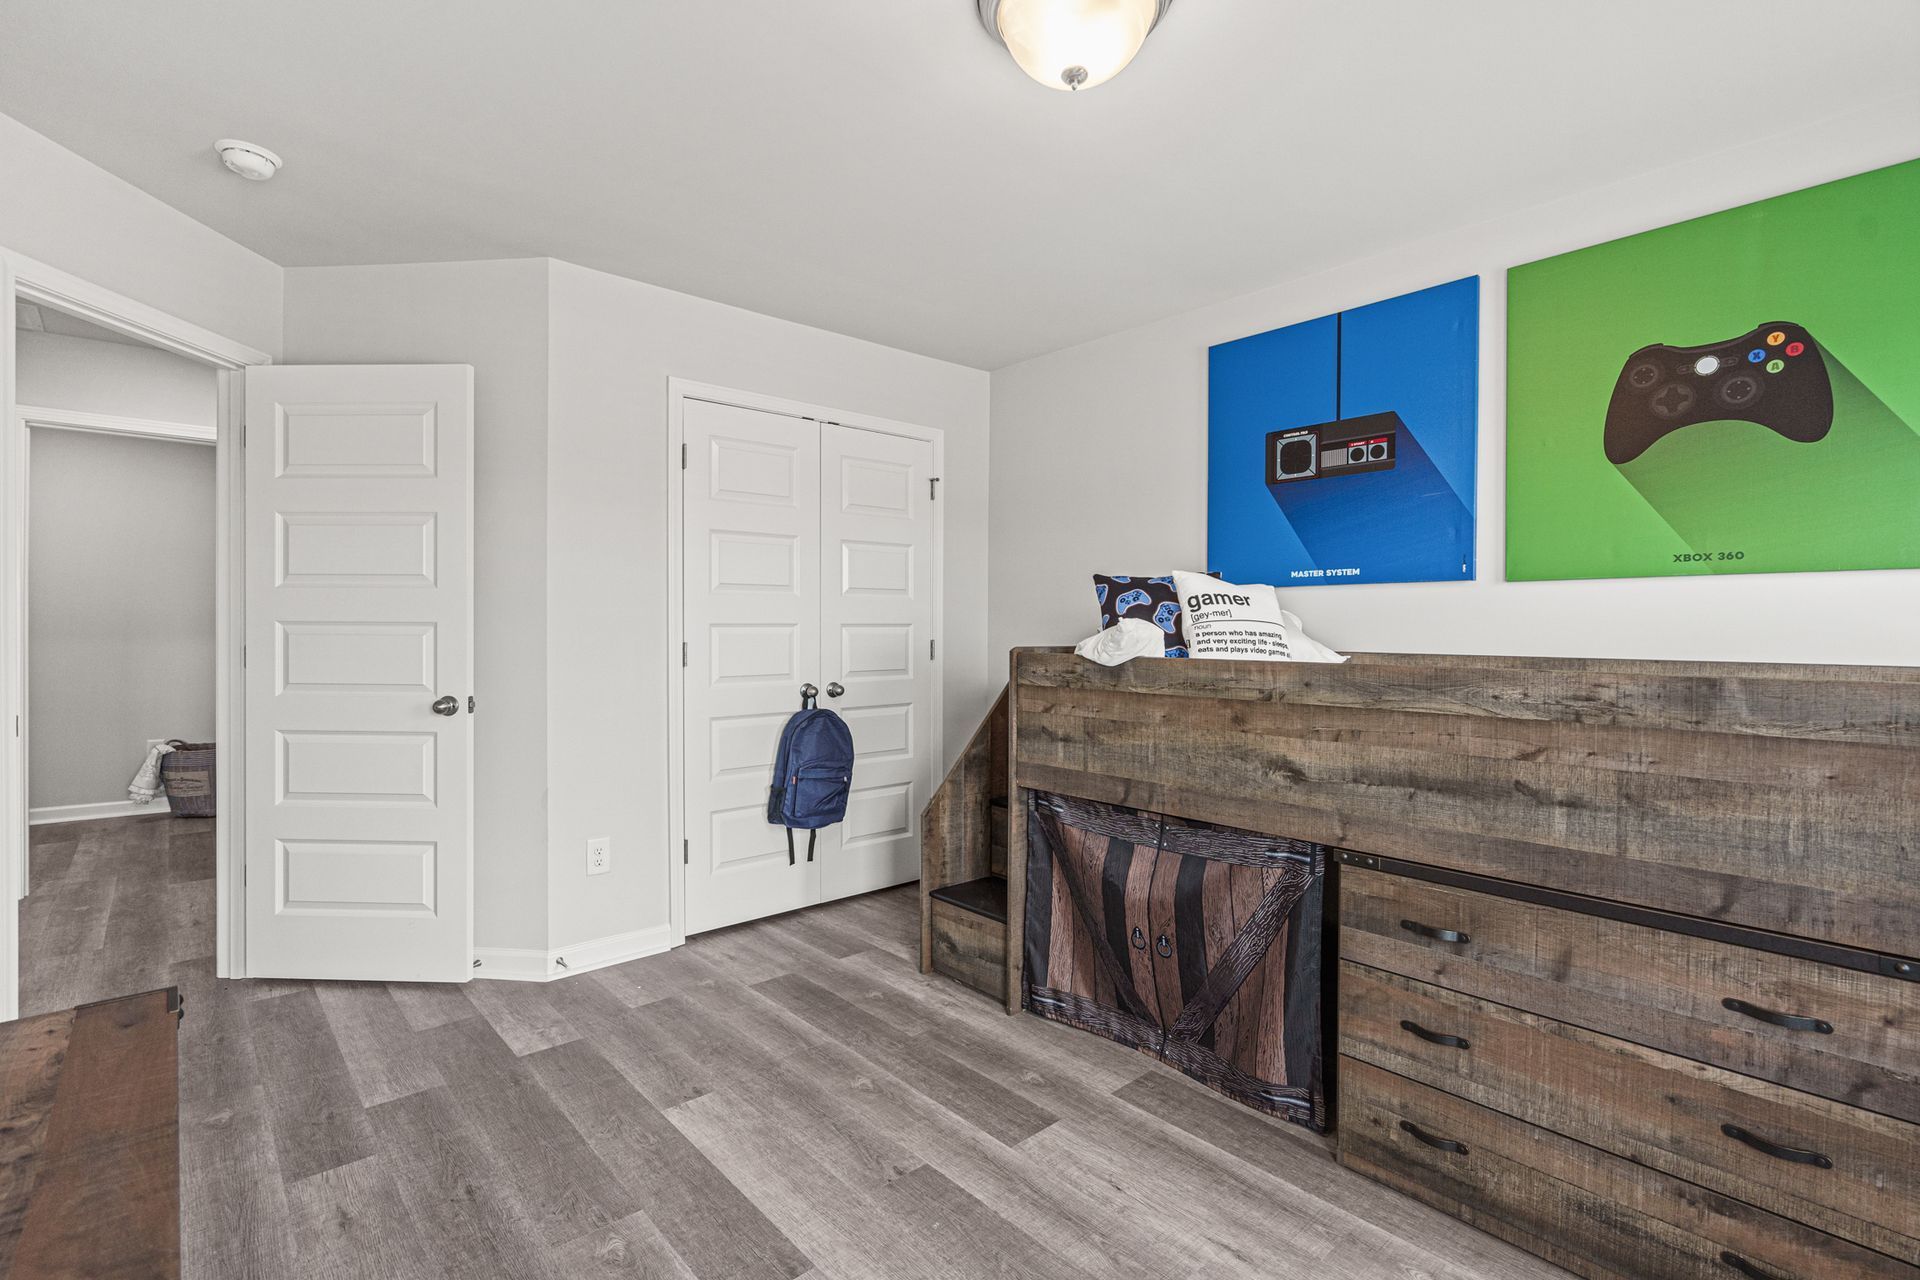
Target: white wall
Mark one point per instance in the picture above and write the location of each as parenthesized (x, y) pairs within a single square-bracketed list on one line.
[(54, 371), (61, 210), (120, 589), (493, 316), (615, 343), (1128, 414)]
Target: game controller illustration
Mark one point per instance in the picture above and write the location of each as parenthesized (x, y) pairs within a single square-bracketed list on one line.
[(1774, 377), (1340, 448)]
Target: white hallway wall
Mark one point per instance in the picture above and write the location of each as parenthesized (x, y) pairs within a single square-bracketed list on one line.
[(121, 609), (1128, 415), (60, 372)]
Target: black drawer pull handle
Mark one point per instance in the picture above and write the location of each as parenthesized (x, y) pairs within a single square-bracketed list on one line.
[(1774, 1149), (1428, 931), (1439, 1144), (1791, 1021), (1432, 1037), (1744, 1267)]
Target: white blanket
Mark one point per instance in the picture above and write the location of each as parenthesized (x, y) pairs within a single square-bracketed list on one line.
[(146, 783)]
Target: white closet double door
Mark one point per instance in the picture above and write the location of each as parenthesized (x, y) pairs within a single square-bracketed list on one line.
[(808, 560)]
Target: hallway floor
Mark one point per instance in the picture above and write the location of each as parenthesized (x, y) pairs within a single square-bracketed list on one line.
[(784, 1099)]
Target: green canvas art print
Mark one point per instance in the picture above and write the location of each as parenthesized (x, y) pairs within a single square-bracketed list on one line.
[(1735, 394)]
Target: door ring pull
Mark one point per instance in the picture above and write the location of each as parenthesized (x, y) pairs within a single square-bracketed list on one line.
[(1162, 945), (1139, 939)]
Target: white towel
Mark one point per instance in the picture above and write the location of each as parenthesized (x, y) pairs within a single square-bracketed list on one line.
[(1124, 641), (146, 783)]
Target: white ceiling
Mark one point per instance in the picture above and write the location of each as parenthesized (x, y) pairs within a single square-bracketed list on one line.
[(880, 167)]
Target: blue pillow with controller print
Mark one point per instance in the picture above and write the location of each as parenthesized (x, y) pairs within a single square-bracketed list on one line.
[(1151, 599)]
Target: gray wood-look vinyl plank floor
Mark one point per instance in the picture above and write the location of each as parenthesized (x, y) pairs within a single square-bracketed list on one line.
[(786, 1100)]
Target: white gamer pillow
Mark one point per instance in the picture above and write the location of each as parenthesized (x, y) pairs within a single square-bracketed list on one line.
[(1228, 621)]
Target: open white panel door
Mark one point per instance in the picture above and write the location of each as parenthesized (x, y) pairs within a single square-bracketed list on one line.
[(359, 672)]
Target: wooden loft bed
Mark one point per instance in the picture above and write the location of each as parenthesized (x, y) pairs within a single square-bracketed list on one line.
[(1655, 926)]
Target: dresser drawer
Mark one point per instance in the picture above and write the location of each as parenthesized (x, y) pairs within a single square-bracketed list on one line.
[(1595, 1214), (1851, 1172), (1837, 1032)]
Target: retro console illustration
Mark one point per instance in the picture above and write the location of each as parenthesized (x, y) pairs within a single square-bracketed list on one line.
[(1303, 490), (1650, 433)]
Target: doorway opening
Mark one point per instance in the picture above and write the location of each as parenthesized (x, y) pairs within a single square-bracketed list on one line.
[(62, 306), (119, 883)]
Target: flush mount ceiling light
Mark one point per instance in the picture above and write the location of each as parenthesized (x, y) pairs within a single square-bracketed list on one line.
[(1072, 44), (255, 164)]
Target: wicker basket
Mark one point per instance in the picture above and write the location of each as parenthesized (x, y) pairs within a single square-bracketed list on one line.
[(187, 771)]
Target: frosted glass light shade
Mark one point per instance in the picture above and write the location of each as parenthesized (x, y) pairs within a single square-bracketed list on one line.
[(1075, 44)]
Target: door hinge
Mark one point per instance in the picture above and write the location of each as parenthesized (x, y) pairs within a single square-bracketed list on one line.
[(933, 489), (683, 653), (243, 655), (931, 649), (683, 455), (686, 852)]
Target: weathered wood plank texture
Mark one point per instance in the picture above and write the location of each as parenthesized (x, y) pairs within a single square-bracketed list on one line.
[(1652, 986), (1600, 1216), (955, 839), (1855, 1174), (99, 1192), (1786, 798)]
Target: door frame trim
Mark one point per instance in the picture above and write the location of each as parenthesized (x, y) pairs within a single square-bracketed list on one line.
[(23, 279), (679, 391)]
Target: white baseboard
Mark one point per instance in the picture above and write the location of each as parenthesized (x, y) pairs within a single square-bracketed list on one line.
[(514, 964), (91, 812), (511, 964)]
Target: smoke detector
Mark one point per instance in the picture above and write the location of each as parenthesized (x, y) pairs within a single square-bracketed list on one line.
[(255, 164)]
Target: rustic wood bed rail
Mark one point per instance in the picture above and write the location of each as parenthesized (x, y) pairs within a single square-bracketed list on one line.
[(1779, 797)]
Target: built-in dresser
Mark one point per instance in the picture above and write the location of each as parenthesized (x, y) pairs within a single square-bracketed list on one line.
[(1629, 952)]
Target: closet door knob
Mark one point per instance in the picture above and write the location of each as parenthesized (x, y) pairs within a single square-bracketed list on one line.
[(446, 706), (835, 689)]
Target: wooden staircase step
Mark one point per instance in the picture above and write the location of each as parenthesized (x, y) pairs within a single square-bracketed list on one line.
[(986, 896)]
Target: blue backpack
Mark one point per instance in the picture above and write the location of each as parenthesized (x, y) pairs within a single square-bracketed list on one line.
[(811, 775)]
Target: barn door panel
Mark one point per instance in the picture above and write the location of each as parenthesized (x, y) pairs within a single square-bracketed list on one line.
[(1197, 944)]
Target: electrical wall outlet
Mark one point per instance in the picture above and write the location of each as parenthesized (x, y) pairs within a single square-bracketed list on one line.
[(599, 856)]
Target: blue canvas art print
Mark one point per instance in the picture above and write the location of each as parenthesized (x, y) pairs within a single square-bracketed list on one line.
[(1342, 449)]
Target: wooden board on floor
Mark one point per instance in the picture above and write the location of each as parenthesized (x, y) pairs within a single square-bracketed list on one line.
[(90, 1142)]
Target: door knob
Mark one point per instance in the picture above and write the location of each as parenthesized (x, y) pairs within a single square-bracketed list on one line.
[(446, 706), (835, 689)]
